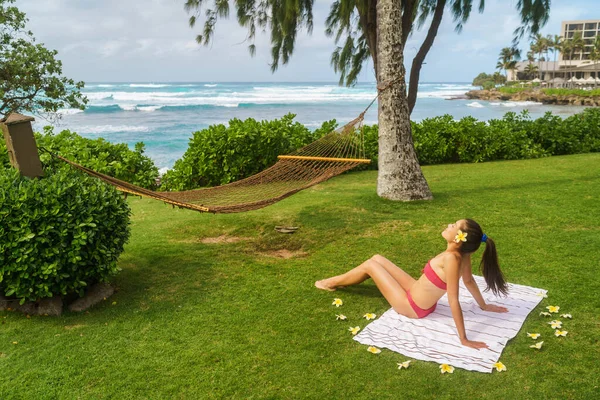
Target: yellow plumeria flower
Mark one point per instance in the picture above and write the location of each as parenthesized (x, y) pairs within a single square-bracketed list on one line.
[(566, 315), (373, 350), (404, 364), (499, 366), (555, 324), (538, 345), (446, 368), (560, 333), (369, 316), (460, 236), (542, 294), (545, 314), (533, 335), (354, 330), (337, 302), (341, 316), (15, 342), (553, 309)]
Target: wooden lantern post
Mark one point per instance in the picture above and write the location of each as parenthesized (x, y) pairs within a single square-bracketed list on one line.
[(20, 143)]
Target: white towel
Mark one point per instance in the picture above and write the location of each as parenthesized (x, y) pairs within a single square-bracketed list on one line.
[(434, 338)]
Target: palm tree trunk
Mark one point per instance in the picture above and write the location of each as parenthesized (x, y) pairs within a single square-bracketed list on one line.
[(415, 71), (400, 176)]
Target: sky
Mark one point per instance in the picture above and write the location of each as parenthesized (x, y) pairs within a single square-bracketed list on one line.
[(151, 41)]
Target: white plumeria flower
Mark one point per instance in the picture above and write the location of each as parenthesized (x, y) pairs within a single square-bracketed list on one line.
[(555, 324), (369, 316), (337, 302), (560, 333), (553, 309), (354, 330), (538, 345), (404, 364), (542, 294), (499, 366), (340, 317), (545, 314), (446, 368), (533, 335), (373, 349), (566, 315)]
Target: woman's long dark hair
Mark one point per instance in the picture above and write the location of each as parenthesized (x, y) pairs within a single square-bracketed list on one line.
[(489, 262)]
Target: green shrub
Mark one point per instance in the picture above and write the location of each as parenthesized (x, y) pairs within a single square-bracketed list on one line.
[(222, 154), (488, 85), (572, 92), (116, 160), (58, 234)]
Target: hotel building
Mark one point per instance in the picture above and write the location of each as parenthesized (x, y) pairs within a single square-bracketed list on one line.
[(579, 65)]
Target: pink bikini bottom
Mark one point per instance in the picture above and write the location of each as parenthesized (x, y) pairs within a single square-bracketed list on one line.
[(418, 310)]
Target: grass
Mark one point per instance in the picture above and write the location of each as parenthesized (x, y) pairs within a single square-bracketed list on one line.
[(228, 320)]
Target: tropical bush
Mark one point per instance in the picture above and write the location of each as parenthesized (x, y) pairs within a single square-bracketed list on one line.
[(116, 160), (222, 154), (58, 234)]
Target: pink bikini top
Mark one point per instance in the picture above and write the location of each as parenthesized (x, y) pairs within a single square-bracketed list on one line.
[(433, 277)]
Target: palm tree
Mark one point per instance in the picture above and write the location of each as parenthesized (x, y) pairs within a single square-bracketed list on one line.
[(539, 46), (577, 45), (364, 30), (555, 47), (595, 57), (530, 70), (507, 60)]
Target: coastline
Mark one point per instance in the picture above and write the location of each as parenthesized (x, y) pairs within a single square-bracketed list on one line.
[(534, 96)]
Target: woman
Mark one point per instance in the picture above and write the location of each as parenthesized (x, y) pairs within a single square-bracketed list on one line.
[(418, 298)]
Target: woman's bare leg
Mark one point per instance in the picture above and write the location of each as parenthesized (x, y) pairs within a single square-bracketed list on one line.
[(358, 275), (387, 285), (403, 278)]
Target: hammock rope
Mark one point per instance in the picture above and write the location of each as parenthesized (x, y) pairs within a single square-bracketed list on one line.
[(329, 156)]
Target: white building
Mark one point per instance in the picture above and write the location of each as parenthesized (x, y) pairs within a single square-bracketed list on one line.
[(579, 65)]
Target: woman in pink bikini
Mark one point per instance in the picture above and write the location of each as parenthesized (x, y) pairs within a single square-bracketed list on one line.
[(418, 298)]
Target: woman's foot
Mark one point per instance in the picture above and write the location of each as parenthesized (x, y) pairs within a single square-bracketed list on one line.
[(324, 285)]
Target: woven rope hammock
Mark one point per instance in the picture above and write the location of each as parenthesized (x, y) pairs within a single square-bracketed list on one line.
[(333, 154)]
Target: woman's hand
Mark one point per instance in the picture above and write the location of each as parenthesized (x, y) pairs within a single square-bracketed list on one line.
[(473, 344), (494, 308)]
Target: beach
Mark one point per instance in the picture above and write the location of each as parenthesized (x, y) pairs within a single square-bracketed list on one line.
[(165, 115)]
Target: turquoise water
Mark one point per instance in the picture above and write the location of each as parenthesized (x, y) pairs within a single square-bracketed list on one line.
[(164, 115)]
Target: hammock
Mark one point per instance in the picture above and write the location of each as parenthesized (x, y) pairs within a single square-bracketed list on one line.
[(333, 154)]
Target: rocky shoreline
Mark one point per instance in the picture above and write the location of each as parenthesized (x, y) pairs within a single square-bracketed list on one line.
[(534, 95)]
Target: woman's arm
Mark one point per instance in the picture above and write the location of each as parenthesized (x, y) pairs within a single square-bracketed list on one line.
[(452, 269), (467, 276)]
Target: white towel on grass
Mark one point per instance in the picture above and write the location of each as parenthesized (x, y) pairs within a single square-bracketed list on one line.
[(434, 338)]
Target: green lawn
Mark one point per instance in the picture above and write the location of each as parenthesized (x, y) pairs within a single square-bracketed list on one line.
[(201, 320)]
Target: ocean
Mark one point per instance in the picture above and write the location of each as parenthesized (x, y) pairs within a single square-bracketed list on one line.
[(165, 115)]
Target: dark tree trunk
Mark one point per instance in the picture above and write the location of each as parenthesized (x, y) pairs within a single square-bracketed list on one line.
[(415, 70), (400, 176)]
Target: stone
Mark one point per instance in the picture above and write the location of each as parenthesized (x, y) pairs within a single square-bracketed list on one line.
[(50, 306), (93, 296)]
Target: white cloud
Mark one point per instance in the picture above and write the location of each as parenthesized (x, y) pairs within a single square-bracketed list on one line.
[(150, 40)]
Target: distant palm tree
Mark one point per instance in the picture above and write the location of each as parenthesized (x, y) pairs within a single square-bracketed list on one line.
[(595, 57), (555, 46), (577, 45), (530, 70), (539, 46), (507, 60)]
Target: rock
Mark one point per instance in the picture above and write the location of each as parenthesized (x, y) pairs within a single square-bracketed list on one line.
[(93, 296), (29, 307), (51, 306)]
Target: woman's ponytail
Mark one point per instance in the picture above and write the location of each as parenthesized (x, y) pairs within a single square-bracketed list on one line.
[(491, 269)]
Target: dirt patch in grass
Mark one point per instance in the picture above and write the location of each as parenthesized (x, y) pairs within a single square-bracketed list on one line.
[(212, 240), (285, 254), (70, 327), (223, 239)]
